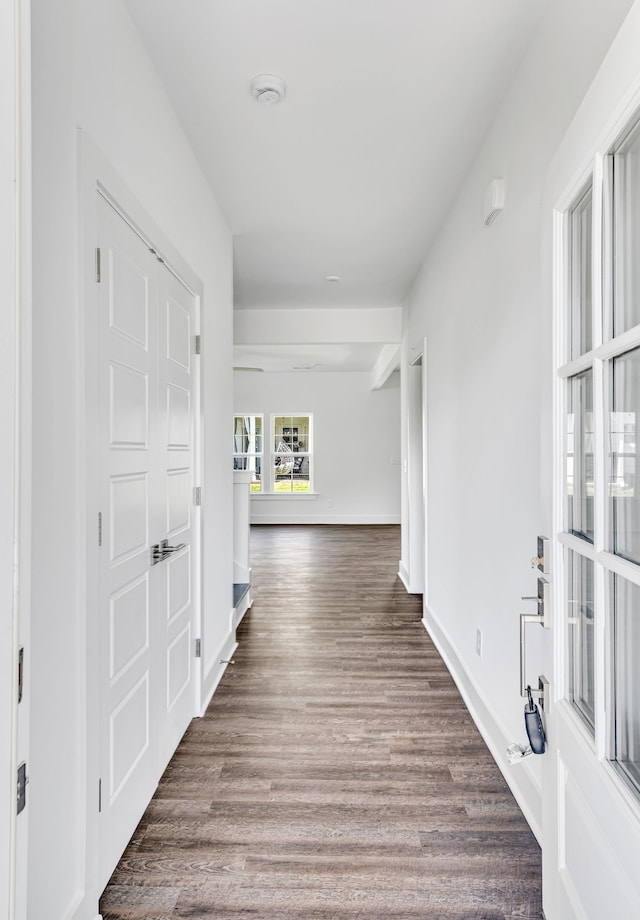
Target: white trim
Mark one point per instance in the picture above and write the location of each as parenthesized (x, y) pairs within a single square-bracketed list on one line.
[(403, 575), (353, 519), (215, 673), (284, 496), (15, 395)]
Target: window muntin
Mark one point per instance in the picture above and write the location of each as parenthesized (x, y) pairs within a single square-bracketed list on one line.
[(580, 637), (580, 274), (623, 436), (579, 460), (625, 177), (248, 447), (292, 457), (626, 653)]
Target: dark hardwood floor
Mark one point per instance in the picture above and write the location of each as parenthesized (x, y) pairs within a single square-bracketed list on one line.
[(337, 773)]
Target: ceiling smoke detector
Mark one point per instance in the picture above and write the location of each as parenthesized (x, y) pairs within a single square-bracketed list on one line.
[(268, 89)]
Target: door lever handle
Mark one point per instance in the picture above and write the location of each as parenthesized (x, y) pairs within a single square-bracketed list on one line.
[(166, 550), (160, 551)]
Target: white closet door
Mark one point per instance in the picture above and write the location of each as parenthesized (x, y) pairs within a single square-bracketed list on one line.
[(176, 387), (145, 429), (127, 429)]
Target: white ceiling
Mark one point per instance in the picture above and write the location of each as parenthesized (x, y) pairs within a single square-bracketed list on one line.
[(387, 102)]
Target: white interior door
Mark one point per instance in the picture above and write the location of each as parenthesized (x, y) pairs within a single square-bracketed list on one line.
[(145, 431), (591, 772), (128, 433)]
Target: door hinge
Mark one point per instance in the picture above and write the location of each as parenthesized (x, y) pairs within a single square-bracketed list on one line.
[(198, 345), (198, 648), (99, 528), (99, 796), (98, 266), (197, 495), (23, 779), (20, 674)]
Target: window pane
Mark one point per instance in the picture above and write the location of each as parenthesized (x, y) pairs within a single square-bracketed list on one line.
[(580, 269), (292, 431), (291, 472), (626, 602), (625, 506), (250, 463), (247, 447), (626, 236), (579, 456), (247, 434), (580, 637)]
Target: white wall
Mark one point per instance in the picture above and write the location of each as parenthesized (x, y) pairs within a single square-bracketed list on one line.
[(91, 71), (280, 327), (479, 301), (356, 445)]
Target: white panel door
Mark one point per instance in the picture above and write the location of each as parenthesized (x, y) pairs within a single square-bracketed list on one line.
[(176, 387), (127, 429), (145, 432)]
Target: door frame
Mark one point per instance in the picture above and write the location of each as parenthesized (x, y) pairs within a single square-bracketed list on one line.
[(576, 776), (98, 177), (413, 568), (15, 450)]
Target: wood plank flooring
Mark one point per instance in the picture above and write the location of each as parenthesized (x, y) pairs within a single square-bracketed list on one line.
[(337, 773)]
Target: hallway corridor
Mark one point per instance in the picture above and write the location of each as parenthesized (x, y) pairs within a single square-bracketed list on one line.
[(337, 773)]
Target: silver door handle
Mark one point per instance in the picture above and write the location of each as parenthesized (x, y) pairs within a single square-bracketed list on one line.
[(167, 550), (524, 619), (160, 551)]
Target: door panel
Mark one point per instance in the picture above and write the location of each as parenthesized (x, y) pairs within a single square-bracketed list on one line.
[(129, 638), (128, 478), (178, 501), (178, 666), (129, 407), (179, 417), (176, 386)]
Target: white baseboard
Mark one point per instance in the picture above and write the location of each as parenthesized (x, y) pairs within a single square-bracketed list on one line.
[(524, 786), (219, 666), (405, 578), (272, 517), (403, 575)]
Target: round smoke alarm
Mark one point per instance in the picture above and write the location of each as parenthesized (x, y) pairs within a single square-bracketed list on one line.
[(268, 89)]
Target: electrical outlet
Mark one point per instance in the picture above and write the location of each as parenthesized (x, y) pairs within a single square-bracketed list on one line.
[(479, 643), (329, 503)]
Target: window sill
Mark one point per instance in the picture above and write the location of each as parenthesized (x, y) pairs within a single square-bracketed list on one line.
[(287, 496)]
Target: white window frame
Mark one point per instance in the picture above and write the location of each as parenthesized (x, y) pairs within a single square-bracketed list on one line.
[(309, 453)]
